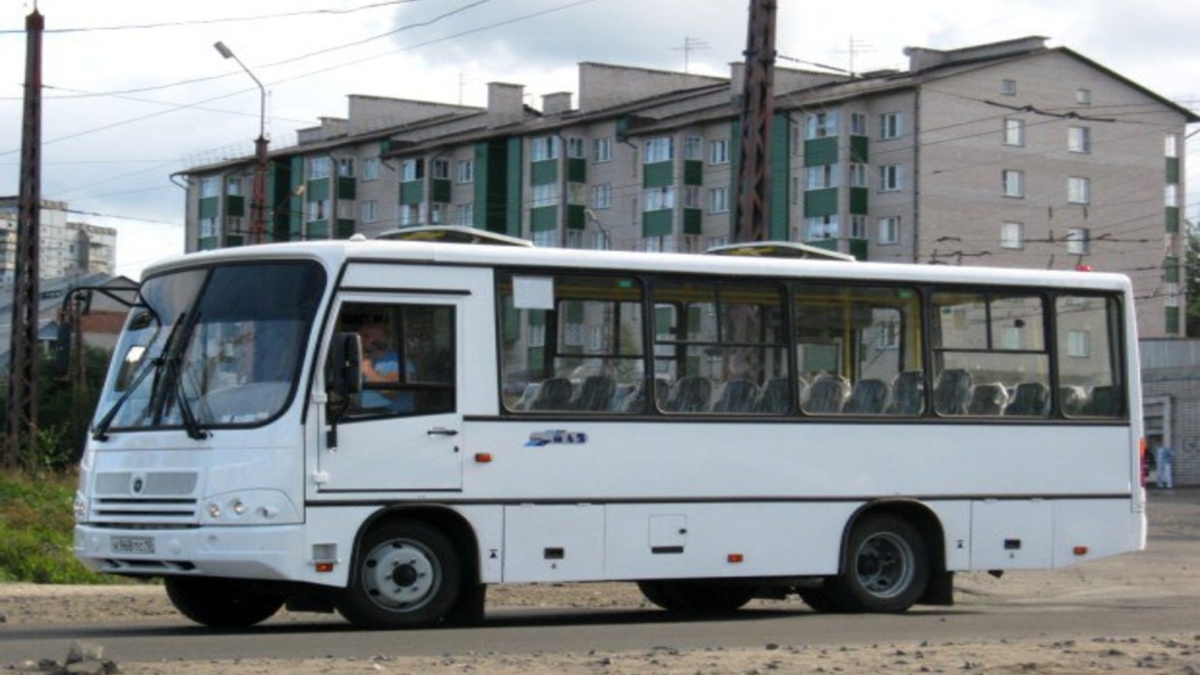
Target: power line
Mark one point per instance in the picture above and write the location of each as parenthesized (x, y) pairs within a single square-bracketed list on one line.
[(200, 22)]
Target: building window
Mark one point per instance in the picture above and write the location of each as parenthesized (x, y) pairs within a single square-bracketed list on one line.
[(692, 148), (369, 211), (1079, 190), (1171, 147), (543, 148), (371, 169), (1171, 195), (691, 197), (1014, 131), (1078, 240), (661, 149), (576, 147), (318, 167), (858, 226), (465, 172), (823, 176), (346, 167), (821, 125), (1012, 183), (210, 186), (441, 169), (1079, 344), (858, 175), (546, 238), (1079, 139), (208, 227), (412, 169), (602, 150), (1012, 235), (410, 214), (1083, 96), (319, 210), (718, 151), (888, 230), (1008, 87), (602, 196), (858, 124), (891, 125), (659, 199), (545, 194), (466, 214), (891, 177), (718, 200), (821, 227), (233, 186)]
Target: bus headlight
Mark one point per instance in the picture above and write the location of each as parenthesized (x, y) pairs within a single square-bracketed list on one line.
[(255, 507), (80, 508)]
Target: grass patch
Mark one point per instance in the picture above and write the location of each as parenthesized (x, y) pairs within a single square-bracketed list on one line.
[(36, 531)]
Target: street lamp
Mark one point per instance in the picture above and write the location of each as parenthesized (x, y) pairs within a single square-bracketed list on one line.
[(258, 210)]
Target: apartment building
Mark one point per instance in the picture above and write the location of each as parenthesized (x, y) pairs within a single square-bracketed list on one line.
[(1006, 154), (65, 248)]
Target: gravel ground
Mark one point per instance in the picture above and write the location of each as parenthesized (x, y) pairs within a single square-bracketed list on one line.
[(1176, 516)]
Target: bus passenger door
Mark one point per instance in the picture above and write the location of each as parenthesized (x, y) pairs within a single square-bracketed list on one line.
[(401, 432)]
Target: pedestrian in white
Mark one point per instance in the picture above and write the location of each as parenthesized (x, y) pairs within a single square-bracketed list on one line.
[(1164, 457)]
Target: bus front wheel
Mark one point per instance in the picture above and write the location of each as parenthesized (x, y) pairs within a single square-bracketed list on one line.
[(886, 567), (406, 574), (221, 603)]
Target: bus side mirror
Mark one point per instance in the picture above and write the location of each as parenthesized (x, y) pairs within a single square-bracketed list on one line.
[(345, 364)]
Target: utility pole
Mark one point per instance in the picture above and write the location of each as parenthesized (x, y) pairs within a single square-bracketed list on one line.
[(752, 205), (21, 410)]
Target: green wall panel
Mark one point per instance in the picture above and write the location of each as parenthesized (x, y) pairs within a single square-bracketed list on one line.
[(860, 149), (657, 223), (576, 216), (781, 148), (577, 170), (692, 219), (544, 172), (860, 200), (658, 174), (412, 192), (820, 202), (515, 156), (441, 190), (1173, 170), (235, 205), (693, 173), (1172, 219), (543, 218), (317, 190), (210, 207), (820, 151)]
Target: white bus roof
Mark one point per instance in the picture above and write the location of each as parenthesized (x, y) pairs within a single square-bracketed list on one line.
[(335, 253)]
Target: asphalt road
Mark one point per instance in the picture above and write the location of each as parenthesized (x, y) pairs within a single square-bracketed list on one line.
[(1155, 591)]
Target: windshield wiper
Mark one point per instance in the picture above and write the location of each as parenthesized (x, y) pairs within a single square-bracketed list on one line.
[(174, 379), (100, 433)]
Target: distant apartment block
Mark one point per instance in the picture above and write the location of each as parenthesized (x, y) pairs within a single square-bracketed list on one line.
[(1008, 154), (65, 248)]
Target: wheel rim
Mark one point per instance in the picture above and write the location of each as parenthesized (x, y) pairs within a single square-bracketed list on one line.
[(401, 575), (884, 565)]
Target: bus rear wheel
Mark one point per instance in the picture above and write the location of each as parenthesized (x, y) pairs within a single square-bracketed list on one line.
[(698, 597), (405, 575), (886, 568), (221, 603)]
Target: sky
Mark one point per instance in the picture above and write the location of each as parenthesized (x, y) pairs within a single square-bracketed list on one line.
[(134, 90)]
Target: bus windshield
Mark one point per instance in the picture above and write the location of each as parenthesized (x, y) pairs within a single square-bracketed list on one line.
[(211, 347)]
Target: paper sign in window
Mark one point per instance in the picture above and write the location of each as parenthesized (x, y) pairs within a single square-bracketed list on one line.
[(533, 292)]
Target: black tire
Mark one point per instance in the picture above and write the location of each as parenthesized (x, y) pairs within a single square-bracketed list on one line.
[(886, 568), (697, 597), (222, 603), (405, 575)]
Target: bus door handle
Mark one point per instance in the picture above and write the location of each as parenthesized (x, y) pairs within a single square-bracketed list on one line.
[(442, 431)]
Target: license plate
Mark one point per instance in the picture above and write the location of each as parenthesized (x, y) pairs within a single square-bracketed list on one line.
[(138, 545)]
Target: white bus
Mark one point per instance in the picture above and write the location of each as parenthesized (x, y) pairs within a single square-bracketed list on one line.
[(714, 428)]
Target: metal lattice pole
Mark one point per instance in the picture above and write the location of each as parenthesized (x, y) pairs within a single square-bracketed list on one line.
[(21, 413), (752, 207)]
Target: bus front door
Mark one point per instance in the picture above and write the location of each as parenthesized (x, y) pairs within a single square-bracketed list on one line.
[(401, 433)]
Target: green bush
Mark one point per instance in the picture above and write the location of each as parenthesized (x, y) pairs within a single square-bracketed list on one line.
[(36, 531)]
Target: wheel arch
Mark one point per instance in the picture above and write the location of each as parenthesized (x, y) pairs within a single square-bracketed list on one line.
[(444, 518), (933, 534)]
